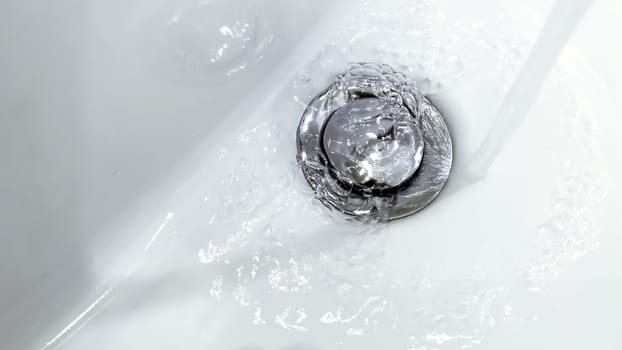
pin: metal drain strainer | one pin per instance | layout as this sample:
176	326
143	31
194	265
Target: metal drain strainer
372	146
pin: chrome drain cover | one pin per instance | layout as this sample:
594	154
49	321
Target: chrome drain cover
372	146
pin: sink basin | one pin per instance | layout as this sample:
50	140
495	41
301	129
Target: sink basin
151	198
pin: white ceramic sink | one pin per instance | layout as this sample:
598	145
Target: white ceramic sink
150	199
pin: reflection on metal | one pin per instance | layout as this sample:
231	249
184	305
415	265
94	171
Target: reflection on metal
372	146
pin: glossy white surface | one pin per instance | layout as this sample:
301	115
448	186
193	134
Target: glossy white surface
112	165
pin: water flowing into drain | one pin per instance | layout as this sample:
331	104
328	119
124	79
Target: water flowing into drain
372	146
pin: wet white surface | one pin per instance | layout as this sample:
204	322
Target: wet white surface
170	213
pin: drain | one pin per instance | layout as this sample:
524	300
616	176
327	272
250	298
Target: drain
372	146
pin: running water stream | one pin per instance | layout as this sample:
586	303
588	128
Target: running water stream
563	20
